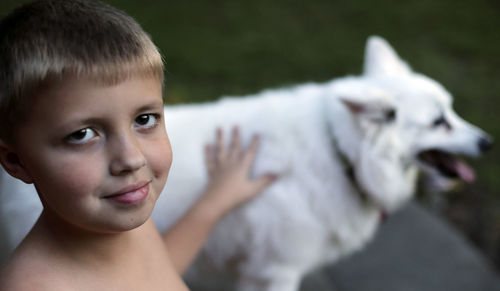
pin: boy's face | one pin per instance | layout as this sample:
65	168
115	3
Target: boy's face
98	155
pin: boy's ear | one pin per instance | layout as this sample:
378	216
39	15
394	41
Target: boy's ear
12	164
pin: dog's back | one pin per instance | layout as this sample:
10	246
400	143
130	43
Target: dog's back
290	225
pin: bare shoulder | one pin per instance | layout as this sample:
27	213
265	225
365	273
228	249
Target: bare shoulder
29	268
20	274
16	281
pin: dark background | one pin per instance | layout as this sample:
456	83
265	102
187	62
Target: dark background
227	47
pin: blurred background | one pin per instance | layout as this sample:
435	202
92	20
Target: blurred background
227	47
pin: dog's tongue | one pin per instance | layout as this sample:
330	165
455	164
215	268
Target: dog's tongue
448	165
464	171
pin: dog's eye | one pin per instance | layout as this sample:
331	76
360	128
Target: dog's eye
390	115
440	122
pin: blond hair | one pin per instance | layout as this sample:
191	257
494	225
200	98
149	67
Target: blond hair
49	40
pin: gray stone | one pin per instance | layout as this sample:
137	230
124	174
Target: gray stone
413	251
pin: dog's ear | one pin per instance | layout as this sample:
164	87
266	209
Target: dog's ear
382	60
374	110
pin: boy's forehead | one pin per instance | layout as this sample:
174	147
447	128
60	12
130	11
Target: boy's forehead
89	93
72	81
70	88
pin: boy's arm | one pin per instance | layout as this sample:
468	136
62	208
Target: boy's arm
229	186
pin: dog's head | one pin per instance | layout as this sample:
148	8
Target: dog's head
402	121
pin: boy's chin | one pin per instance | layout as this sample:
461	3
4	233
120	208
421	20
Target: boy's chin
117	227
120	221
133	221
123	219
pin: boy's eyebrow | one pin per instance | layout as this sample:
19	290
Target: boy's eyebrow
151	106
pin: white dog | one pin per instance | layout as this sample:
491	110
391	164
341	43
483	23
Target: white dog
347	152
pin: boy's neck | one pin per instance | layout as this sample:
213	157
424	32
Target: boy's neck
88	247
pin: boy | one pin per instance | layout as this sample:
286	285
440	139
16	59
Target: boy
82	119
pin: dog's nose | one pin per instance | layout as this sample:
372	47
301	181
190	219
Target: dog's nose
485	144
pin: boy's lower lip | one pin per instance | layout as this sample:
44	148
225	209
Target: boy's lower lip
131	197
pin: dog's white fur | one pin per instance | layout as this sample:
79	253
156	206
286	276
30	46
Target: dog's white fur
314	213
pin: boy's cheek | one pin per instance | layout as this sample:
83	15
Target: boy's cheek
83	178
160	159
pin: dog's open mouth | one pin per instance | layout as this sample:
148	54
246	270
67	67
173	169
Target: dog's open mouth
448	165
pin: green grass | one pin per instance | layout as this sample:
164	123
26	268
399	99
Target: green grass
215	48
227	47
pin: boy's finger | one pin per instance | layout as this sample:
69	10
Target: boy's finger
251	151
209	158
264	181
235	149
219	144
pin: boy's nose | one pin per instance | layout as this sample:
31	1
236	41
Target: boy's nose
126	156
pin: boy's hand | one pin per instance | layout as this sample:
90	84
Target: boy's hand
229	168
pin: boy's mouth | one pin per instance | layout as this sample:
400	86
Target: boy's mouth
448	165
130	195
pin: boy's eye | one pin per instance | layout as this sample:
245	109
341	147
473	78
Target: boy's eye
146	120
81	136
